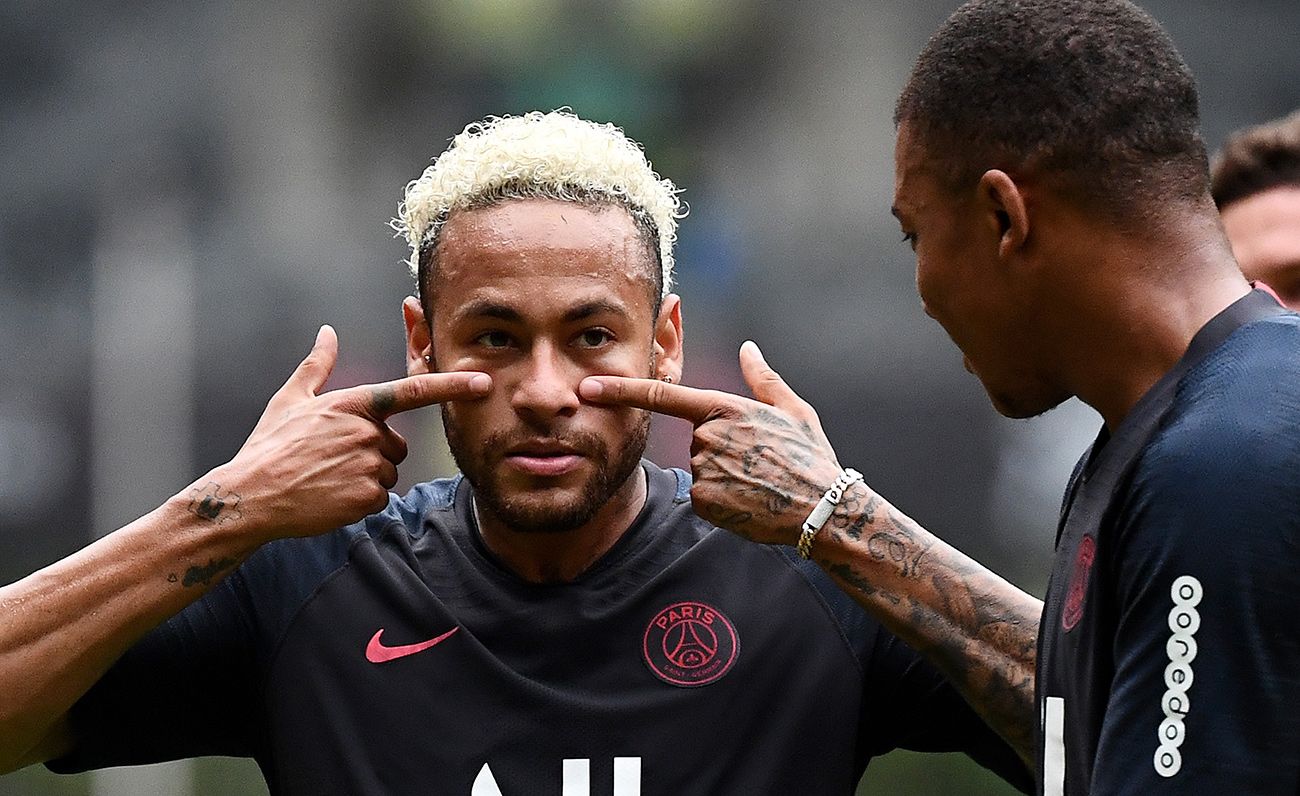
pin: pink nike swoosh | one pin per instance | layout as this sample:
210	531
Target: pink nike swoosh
378	653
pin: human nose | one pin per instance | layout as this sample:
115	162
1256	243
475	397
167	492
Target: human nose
547	388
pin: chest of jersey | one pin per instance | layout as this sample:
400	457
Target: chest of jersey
1075	667
421	676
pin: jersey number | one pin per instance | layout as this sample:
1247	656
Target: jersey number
576	778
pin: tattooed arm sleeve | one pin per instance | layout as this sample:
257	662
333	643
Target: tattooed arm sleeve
975	627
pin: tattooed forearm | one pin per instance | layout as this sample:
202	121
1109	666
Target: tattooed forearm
855	516
851	507
869	511
898	545
859	582
213	503
845	573
979	630
987	648
854	530
203	575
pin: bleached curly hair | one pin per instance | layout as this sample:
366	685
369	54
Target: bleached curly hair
554	155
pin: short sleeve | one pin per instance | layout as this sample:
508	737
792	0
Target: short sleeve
909	705
1206	691
186	689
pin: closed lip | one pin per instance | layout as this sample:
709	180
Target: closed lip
543	448
544	459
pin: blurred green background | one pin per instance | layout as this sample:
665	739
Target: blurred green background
192	188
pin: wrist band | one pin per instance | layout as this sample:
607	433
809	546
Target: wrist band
822	511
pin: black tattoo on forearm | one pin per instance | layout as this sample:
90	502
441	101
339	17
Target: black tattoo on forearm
212	504
979	630
847	574
869	510
855	529
846	512
203	575
858	581
897	545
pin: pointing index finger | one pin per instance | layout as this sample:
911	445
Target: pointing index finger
381	401
688	403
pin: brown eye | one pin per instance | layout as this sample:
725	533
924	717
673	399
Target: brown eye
594	338
493	339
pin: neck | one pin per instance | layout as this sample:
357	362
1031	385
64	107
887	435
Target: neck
1139	310
560	557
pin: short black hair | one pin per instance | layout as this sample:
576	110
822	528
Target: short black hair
1257	159
1089	93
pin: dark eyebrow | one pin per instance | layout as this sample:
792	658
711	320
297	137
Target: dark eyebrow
590	308
483	308
486	308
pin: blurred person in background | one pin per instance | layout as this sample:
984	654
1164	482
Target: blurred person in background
1256	184
1051	179
558	615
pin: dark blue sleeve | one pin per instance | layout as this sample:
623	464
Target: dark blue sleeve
910	705
907	703
1206	691
188	688
193	686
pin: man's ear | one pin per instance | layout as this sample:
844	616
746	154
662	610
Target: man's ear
1005	203
668	352
418	343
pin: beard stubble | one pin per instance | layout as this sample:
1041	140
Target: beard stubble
526	513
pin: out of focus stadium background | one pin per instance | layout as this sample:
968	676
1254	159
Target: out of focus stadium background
190	189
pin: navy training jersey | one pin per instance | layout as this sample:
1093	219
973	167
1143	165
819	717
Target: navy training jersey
1169	650
398	656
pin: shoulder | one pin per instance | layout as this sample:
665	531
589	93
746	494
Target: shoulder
317	556
1220	471
1235	417
281	576
431	500
670	515
857	629
1248	385
774	570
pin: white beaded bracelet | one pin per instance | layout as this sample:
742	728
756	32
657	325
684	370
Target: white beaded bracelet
822	511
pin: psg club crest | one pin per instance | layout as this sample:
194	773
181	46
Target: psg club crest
690	644
1073	611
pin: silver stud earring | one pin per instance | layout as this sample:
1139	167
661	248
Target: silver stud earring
666	378
428	360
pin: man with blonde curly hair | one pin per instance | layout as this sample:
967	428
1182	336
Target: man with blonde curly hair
557	620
